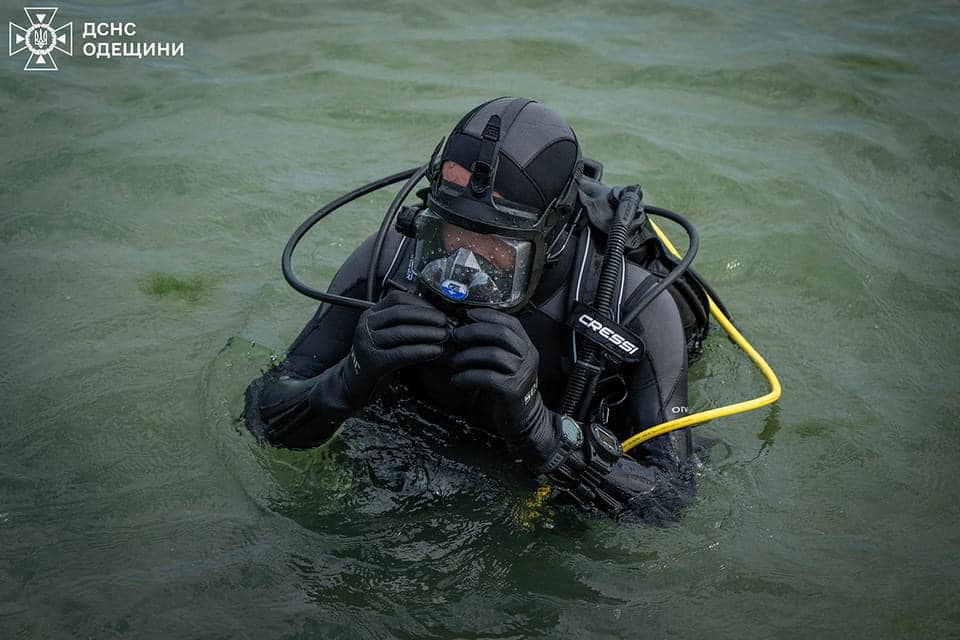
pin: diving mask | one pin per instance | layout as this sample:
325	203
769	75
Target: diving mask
468	267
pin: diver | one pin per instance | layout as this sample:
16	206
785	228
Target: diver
499	301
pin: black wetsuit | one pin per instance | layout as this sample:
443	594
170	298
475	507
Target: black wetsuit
655	476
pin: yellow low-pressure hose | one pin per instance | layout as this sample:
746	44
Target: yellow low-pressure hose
729	410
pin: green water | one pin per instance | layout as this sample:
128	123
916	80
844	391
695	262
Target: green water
143	208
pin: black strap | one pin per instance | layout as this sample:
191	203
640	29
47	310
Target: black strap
510	114
485	167
645	285
484	170
568	196
433	167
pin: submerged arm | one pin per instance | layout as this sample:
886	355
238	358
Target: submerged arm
302	401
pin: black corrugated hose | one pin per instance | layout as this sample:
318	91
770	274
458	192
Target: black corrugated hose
589	365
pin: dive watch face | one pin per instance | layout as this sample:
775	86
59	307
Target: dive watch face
570	430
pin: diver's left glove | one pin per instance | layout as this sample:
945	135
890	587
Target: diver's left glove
499	360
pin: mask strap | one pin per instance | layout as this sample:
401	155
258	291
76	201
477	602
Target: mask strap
484	170
433	167
569	193
552	256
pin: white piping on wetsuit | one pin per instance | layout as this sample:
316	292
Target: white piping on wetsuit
576	294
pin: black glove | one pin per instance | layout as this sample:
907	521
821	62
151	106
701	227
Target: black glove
399	331
278	408
498	359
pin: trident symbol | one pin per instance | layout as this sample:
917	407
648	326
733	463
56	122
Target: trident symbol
41	40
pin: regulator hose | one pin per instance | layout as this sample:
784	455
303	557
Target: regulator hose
372	291
586	371
676	272
316	217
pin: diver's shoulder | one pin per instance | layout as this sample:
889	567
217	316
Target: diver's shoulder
637	281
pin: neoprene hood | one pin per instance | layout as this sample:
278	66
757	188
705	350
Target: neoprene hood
482	240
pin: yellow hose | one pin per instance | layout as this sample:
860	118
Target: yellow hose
729	410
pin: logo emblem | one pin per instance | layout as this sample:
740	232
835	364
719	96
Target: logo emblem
40	39
454	290
622	344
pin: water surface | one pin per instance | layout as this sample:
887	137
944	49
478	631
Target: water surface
143	208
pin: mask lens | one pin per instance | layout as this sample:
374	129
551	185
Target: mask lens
494	249
463	275
470	267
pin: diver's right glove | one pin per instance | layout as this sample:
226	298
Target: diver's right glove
399	331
